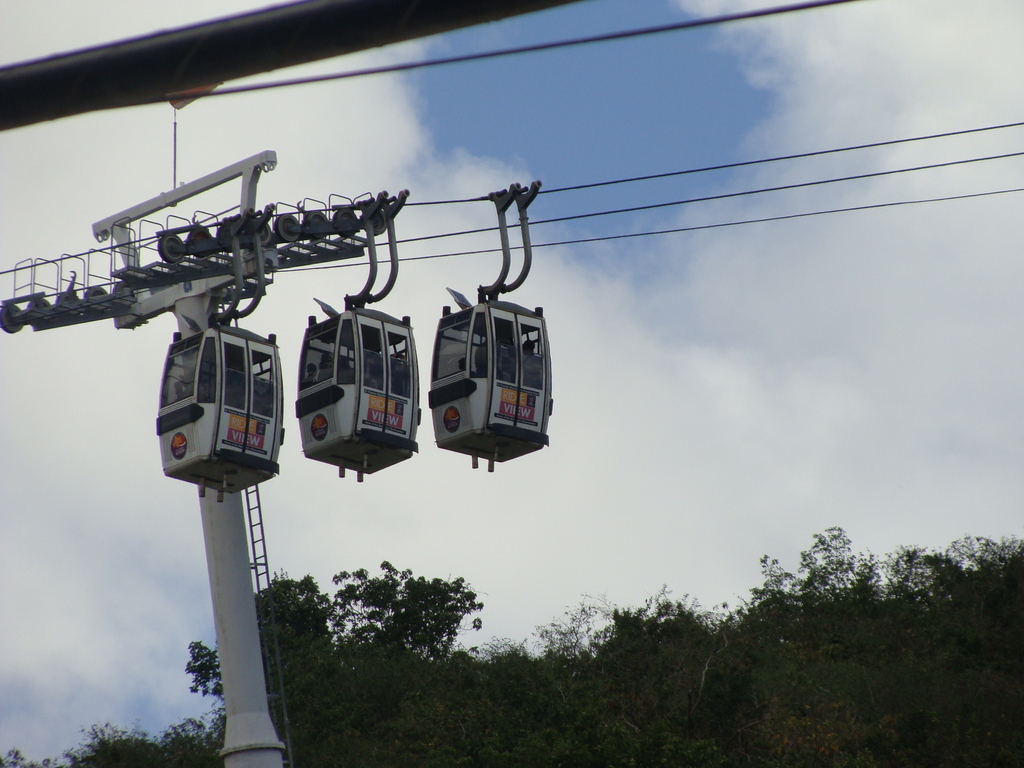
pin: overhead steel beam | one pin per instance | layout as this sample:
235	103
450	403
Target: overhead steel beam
147	69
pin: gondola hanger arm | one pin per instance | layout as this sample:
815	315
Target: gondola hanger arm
502	200
369	210
397	203
523	200
378	216
389	212
250	223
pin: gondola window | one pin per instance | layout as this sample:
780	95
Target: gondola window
373	358
234	376
505	344
206	389
398	350
533	357
450	352
263	383
318	357
346	354
479	347
180	373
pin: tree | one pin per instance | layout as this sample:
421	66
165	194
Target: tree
204	666
396	611
300	608
192	743
851	662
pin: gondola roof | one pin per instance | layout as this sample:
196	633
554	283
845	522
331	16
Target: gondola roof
513	307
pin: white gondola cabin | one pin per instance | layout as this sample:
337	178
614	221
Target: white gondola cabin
358	404
490	382
490	391
220	422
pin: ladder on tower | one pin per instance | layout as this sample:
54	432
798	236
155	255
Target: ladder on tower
272	666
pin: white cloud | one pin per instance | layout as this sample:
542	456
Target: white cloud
915	305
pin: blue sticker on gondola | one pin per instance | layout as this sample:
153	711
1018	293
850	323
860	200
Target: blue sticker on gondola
452	418
318	427
179	445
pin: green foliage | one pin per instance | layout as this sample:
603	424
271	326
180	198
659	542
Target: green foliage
905	661
15	759
396	611
852	661
190	744
204	666
300	608
391	613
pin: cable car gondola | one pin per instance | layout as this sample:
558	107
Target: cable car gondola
490	392
358	403
220	421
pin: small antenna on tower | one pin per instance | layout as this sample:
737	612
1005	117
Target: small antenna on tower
174	150
178	101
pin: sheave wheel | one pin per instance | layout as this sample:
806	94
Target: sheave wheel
172	249
8	319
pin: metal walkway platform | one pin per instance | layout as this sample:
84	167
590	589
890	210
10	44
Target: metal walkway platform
44	298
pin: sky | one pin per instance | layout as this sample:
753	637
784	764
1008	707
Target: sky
720	394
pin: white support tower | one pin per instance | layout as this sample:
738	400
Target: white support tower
250	740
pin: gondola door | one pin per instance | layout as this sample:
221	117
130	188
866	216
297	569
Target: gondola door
520	390
250	420
388	400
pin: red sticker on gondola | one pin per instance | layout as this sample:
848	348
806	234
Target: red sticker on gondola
318	427
179	445
452	418
517	405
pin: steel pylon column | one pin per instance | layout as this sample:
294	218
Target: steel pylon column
250	740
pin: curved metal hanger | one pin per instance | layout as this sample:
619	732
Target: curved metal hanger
376	217
502	200
255	225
